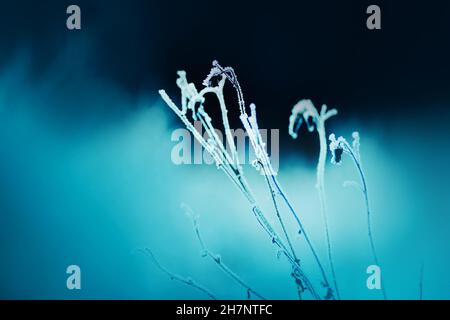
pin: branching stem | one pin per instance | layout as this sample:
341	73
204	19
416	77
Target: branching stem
173	276
219	261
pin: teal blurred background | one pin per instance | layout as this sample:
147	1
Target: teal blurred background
91	193
86	176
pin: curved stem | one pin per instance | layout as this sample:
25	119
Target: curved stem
321	189
369	222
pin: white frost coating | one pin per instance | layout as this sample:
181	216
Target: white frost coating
337	147
356	144
304	111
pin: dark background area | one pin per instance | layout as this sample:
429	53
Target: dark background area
282	50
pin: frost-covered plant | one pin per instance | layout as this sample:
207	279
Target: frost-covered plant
305	111
227	160
338	147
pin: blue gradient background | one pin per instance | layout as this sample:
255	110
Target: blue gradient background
86	178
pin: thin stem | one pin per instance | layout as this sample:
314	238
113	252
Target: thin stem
321	189
369	222
283	227
241	183
302	230
231	76
251	126
280	219
173	276
267	227
220	263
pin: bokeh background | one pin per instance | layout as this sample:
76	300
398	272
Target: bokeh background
85	171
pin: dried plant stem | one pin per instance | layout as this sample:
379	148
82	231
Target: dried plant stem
357	162
321	189
236	176
239	180
305	111
220	263
172	276
299	285
303	232
251	126
295	264
267	227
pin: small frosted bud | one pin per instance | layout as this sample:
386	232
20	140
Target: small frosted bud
252	109
336	148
